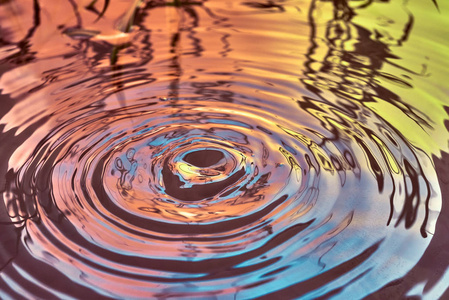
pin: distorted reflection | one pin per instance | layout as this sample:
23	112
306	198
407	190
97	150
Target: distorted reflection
223	149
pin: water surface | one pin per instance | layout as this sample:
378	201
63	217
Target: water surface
224	149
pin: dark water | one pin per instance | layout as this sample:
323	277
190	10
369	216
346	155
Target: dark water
224	149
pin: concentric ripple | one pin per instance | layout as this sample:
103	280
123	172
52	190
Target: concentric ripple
158	195
248	179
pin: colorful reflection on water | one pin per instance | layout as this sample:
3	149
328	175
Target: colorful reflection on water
224	149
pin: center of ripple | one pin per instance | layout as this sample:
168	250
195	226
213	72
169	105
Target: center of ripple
203	158
200	174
